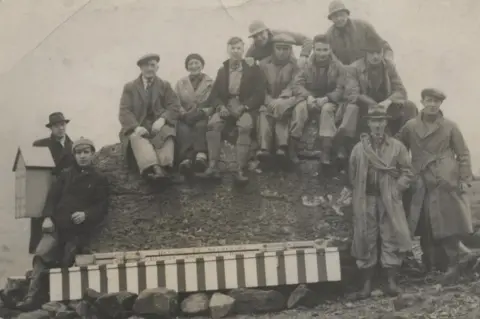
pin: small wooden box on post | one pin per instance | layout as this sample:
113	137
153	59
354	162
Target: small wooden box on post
33	177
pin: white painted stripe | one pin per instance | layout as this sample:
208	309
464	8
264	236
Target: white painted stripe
231	280
291	267
251	278
171	275
152	275
94	277
311	265
132	277
75	283
211	281
191	275
332	259
55	286
112	278
271	268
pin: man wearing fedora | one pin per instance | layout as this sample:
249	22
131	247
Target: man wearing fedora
262	46
60	146
149	109
76	205
380	171
439	211
378	81
348	36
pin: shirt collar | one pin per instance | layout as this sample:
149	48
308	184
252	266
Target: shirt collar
146	81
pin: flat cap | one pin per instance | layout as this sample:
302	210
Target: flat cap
433	92
283	38
83	141
148	57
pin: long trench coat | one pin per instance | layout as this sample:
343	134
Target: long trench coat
391	164
190	99
133	111
441	159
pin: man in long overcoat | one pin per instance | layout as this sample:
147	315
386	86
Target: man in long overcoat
279	70
440	211
380	170
348	36
378	81
236	96
324	87
149	109
76	205
60	146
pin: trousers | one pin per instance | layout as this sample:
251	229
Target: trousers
191	140
380	237
218	126
146	155
271	130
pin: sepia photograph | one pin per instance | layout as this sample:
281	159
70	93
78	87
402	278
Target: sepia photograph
239	159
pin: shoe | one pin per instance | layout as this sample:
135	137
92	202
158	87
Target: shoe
366	291
185	167
263	155
240	177
200	164
392	288
211	172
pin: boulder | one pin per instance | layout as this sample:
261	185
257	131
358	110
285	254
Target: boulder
157	301
116	304
249	301
220	305
15	290
54	307
67	315
37	314
91	295
6	313
303	297
195	304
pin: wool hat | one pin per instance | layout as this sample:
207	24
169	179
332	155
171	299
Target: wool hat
83	141
194	56
377	112
336	6
434	93
147	57
55	118
256	27
283	39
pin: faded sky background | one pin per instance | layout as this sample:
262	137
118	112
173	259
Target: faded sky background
81	67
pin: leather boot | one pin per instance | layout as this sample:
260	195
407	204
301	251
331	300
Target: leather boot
392	287
33	300
366	291
326	150
212	171
243	154
292	150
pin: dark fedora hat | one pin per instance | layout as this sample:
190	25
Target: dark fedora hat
55	118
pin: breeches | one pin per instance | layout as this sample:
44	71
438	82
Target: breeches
146	155
380	237
270	129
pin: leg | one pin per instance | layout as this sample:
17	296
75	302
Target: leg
35	233
200	145
184	151
143	152
166	152
214	143
245	127
451	246
297	125
327	130
265	134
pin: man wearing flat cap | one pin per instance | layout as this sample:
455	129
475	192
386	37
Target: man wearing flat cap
76	205
262	46
348	36
439	210
378	81
380	171
323	85
279	69
149	109
60	146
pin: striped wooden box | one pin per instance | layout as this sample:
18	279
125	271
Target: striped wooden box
200	273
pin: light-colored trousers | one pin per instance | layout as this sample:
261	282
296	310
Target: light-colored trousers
380	226
146	155
269	129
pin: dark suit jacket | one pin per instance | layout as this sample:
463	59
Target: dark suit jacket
62	156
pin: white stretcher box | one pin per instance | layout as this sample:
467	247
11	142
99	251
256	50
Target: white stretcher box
206	269
33	177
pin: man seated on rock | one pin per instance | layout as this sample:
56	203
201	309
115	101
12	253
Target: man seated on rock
279	69
149	109
60	146
323	84
379	82
237	94
75	207
262	46
380	171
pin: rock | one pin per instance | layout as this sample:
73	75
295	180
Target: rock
9	313
302	297
394	315
116	304
67	315
54	307
220	305
157	301
85	310
404	301
37	314
91	295
249	301
15	290
195	304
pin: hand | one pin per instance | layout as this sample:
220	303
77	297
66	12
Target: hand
224	112
386	103
302	61
157	125
47	225
250	61
464	187
78	217
310	100
140	131
402	184
321	101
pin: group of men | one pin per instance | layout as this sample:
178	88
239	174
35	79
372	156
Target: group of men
349	85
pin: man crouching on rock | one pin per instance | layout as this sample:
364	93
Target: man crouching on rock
380	170
149	109
76	205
